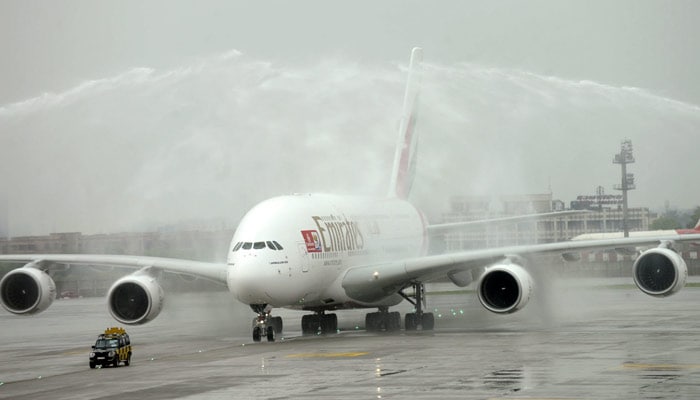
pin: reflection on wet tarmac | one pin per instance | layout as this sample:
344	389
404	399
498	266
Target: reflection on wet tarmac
505	379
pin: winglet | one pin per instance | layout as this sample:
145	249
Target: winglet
403	172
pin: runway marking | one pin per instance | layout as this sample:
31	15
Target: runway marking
534	398
659	367
328	355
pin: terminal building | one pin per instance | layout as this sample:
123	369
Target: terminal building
600	214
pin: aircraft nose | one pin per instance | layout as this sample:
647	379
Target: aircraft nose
249	281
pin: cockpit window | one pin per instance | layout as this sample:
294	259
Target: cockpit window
270	244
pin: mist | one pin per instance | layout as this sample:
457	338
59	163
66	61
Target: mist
209	139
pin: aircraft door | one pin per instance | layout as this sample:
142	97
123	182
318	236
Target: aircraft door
303	257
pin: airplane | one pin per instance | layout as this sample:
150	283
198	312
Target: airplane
326	252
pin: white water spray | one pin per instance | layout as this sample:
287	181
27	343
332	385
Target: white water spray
208	140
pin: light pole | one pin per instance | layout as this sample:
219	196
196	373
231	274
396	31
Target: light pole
627	180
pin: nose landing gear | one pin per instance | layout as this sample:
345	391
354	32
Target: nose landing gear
265	325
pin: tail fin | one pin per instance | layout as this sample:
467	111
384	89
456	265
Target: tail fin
697	226
405	157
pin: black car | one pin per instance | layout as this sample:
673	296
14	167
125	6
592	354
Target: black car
111	348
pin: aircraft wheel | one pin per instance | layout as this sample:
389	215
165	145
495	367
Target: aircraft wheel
393	322
305	330
278	324
329	323
376	321
310	324
371	322
411	323
428	321
270	334
256	334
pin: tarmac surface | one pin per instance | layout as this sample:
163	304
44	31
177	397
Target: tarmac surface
572	342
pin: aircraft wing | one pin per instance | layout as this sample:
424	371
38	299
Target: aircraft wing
457	226
212	271
373	282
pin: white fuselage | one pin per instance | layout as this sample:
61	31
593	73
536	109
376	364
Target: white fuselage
321	237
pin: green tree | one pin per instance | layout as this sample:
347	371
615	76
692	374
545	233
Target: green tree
665	222
694	218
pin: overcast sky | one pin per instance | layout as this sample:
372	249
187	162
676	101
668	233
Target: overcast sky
124	115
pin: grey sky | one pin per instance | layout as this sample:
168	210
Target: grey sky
121	114
651	44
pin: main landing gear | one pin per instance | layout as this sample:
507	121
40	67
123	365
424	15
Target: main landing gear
265	325
383	320
319	322
419	320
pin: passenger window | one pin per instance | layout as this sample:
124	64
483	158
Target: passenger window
247	246
259	245
238	246
278	245
272	246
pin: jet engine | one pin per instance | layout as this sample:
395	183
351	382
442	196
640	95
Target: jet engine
504	288
135	299
660	272
27	290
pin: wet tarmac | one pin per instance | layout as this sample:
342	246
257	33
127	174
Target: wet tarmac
579	342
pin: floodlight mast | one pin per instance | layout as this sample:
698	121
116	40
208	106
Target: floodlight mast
626	180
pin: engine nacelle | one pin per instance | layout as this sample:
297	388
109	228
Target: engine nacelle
504	288
135	299
27	290
660	272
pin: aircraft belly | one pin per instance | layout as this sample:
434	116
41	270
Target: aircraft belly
346	304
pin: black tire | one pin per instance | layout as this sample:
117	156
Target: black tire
329	323
305	325
127	362
256	334
92	365
393	321
411	322
428	321
334	323
270	334
278	324
310	324
371	323
115	364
